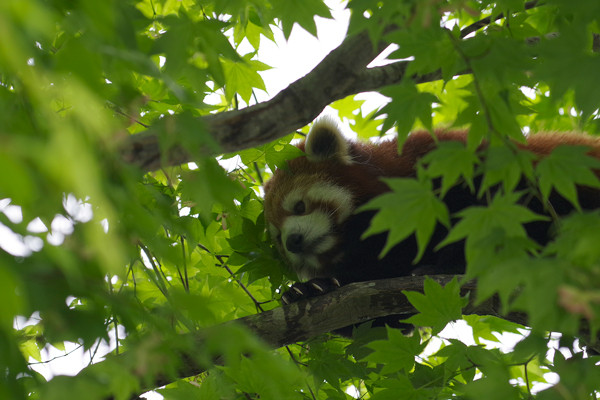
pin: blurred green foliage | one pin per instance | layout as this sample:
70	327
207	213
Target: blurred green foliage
106	253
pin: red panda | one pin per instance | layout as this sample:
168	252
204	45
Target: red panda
310	207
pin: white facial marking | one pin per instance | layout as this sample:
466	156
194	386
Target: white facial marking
322	192
325	205
313	227
326	244
325	192
291	199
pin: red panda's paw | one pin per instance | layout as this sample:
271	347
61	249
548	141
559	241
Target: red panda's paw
311	288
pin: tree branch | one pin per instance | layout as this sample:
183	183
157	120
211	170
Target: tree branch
352	304
261	123
349	305
341	73
486	21
334	78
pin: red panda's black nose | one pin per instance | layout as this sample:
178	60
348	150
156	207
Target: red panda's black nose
294	243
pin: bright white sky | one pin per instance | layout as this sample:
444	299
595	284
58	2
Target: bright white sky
293	59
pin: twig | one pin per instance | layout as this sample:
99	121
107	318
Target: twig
184	280
117	110
475	26
244	288
68	353
160	278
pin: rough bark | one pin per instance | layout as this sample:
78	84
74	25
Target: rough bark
294	107
306	319
342	73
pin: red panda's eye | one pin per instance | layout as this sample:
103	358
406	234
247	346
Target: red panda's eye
299	208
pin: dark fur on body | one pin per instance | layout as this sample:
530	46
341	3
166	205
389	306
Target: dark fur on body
358	167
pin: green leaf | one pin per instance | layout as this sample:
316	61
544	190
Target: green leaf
409	208
302	12
564	168
208	186
495	381
430	48
30	349
263	266
366	127
329	363
568	61
450	161
183	390
205	36
18	185
396	353
495	388
485	325
579	377
506	166
14	303
195	305
408	104
503	213
393	386
268	376
278	152
242	77
457	360
88	388
437	305
533	343
348	107
214	386
577	239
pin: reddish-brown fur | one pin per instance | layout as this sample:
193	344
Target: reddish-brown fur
372	161
361	176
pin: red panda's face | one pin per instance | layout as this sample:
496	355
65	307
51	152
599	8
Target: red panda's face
305	205
304	218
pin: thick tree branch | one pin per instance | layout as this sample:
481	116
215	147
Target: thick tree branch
342	73
334	78
289	110
331	80
352	304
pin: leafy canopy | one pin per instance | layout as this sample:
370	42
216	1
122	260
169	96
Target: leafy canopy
105	254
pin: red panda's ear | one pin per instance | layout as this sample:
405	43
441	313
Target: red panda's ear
326	142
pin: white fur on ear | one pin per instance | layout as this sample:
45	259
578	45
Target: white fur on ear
326	142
